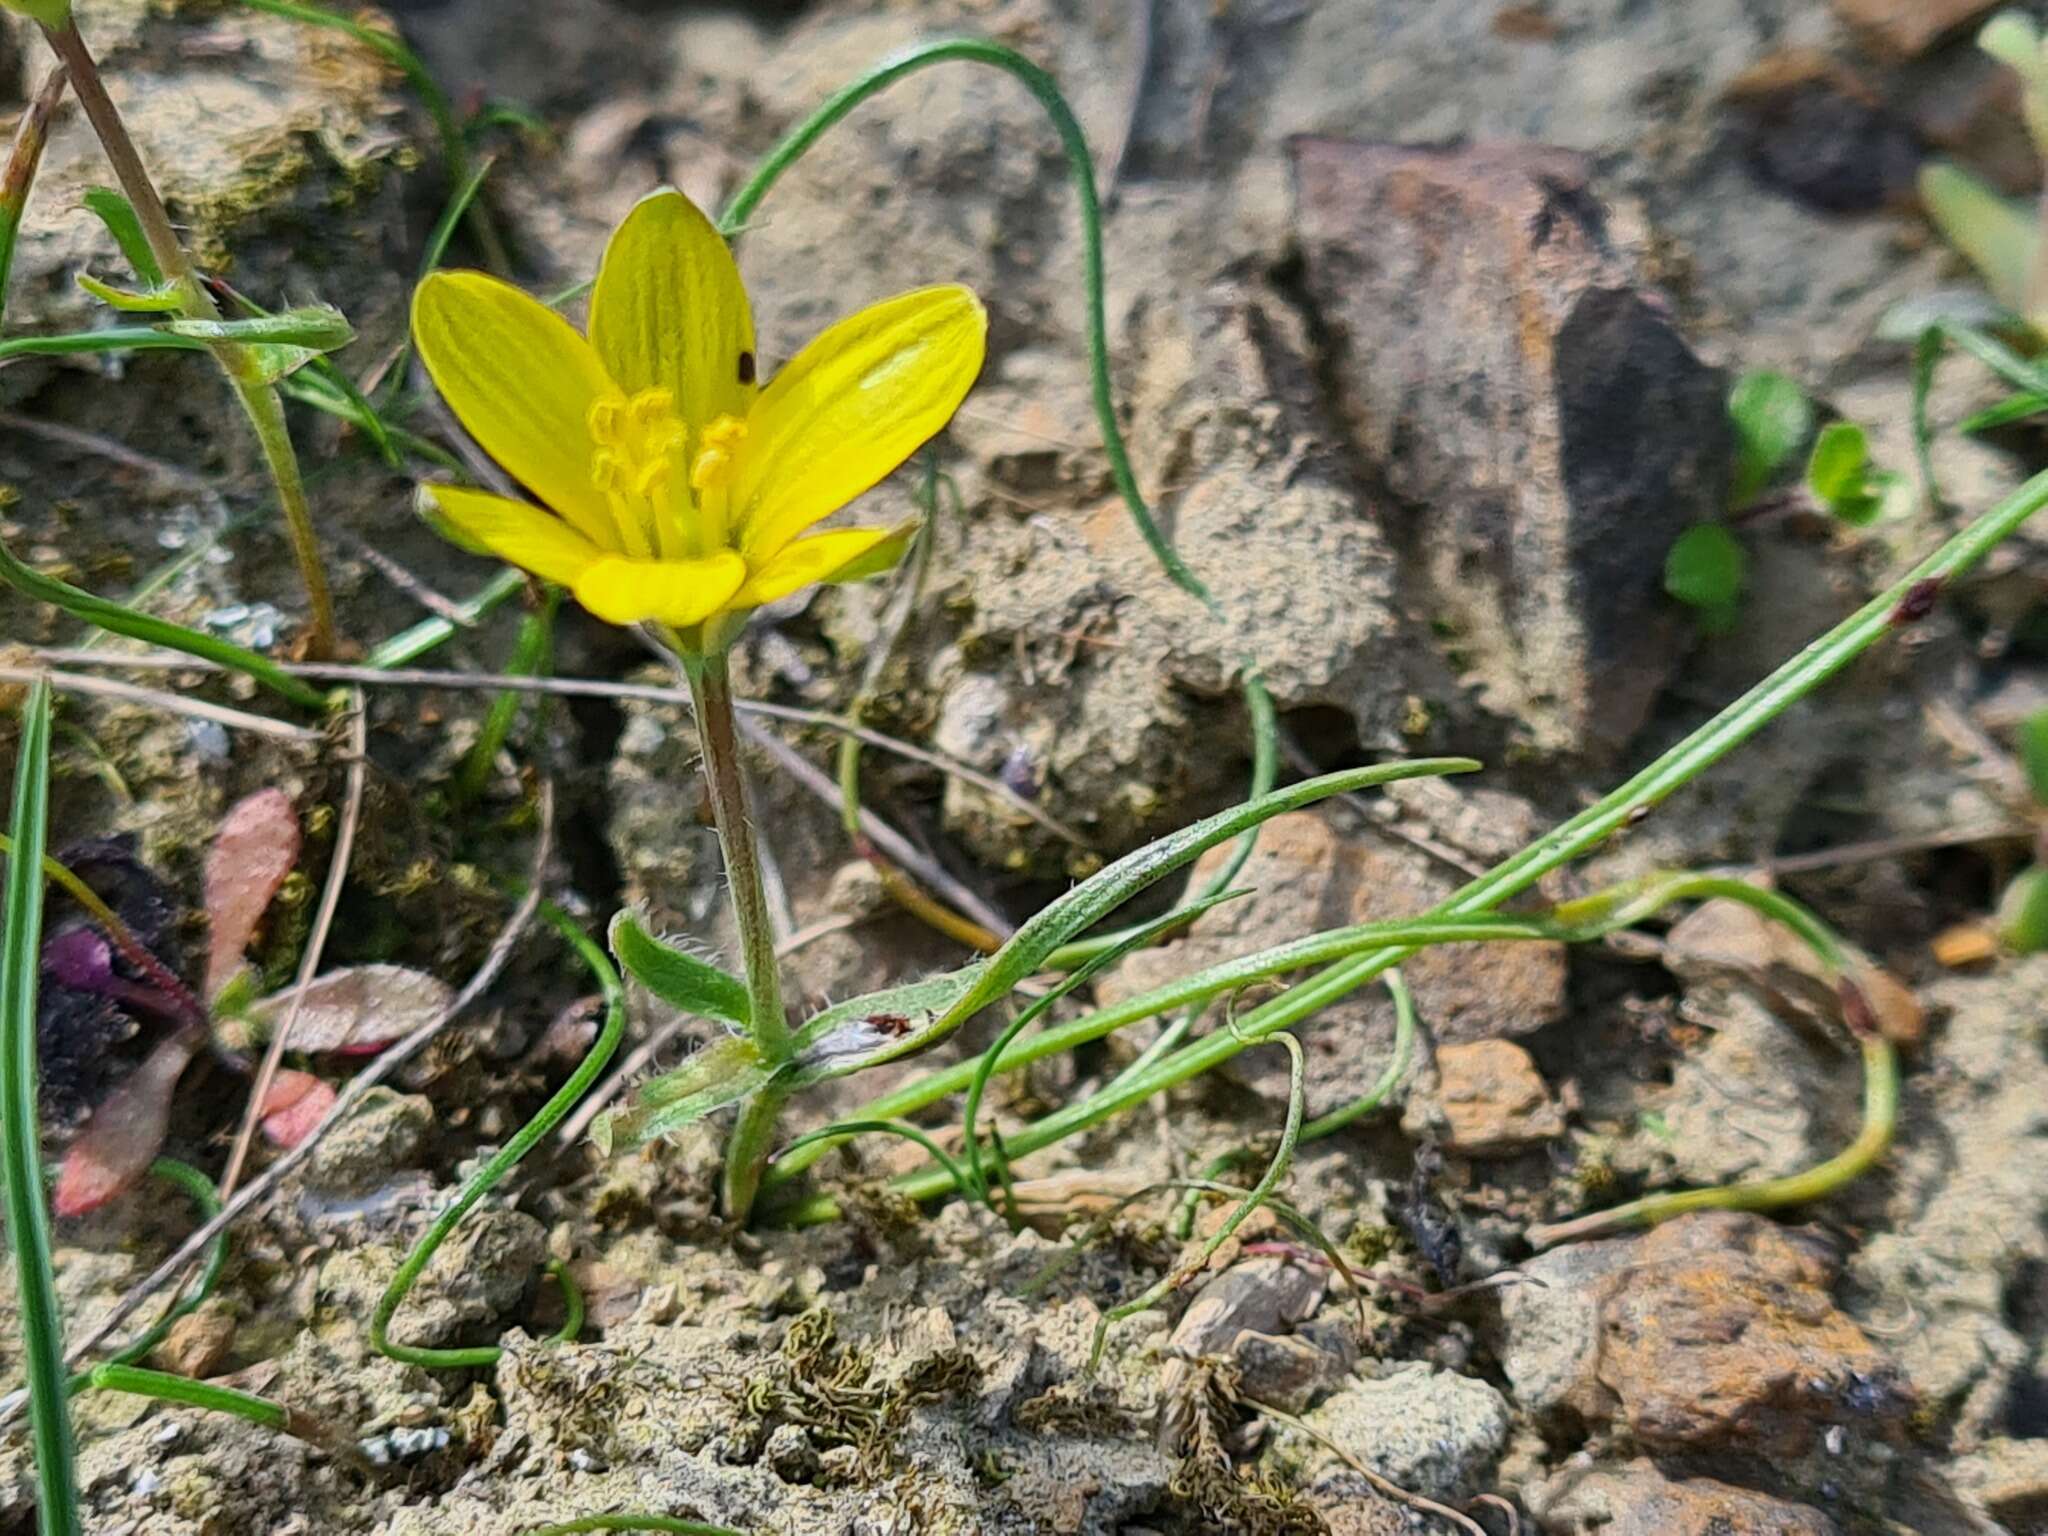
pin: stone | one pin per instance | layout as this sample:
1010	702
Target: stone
198	1343
1306	876
1961	1218
384	1136
1430	1431
1501	362
1812	128
1903	29
1488	1100
2007	1479
1714	1331
1079	668
1637	1499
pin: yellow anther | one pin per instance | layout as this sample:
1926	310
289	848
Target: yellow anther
603	419
714	463
650	405
607	470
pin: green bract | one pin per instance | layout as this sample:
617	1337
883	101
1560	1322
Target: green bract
51	13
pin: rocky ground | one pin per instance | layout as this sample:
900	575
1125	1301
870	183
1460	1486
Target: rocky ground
1424	316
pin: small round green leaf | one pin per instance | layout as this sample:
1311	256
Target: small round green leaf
1840	464
1772	417
2023	912
1704	568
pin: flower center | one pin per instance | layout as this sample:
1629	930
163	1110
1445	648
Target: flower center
711	475
636	442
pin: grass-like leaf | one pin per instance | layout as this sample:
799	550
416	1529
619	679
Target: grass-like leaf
118	214
125	621
21	1162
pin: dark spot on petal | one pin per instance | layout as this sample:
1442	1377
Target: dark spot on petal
746	367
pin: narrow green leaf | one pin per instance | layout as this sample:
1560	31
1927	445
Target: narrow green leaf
1772	417
2033	743
2007	411
120	620
1996	234
901	1021
675	976
21	1162
1704	568
321	327
125	338
1840	464
118	214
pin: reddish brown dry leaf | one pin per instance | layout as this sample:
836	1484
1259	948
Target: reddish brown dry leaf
123	1136
256	848
360	1008
296	1103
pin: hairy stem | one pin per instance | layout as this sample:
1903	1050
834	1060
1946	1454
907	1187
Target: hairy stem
259	401
753	1135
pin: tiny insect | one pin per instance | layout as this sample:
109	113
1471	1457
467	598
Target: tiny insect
1918	601
746	367
894	1025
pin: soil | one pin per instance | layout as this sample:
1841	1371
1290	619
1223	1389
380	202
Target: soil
1422	317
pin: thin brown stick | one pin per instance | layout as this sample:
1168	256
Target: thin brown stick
266	1183
171	703
410	584
173	476
885	837
316	940
1887	848
582	687
1380	1484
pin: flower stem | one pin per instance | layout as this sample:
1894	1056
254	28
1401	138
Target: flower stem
259	401
752	1136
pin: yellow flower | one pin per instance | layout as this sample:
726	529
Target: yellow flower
677	490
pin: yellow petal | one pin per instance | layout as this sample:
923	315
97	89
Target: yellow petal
669	312
852	406
673	592
521	380
842	554
521	535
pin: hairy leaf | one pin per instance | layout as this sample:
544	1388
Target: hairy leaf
675	976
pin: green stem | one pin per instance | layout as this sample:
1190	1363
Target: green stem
711	695
532	653
748	1146
21	1160
1261	1192
487	1177
408	645
201	1190
1880	1118
259	401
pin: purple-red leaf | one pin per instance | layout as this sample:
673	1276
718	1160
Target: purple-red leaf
126	1131
256	848
359	1008
296	1103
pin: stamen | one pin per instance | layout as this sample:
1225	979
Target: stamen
714	464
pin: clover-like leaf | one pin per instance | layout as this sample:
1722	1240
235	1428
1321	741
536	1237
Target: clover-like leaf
675	976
